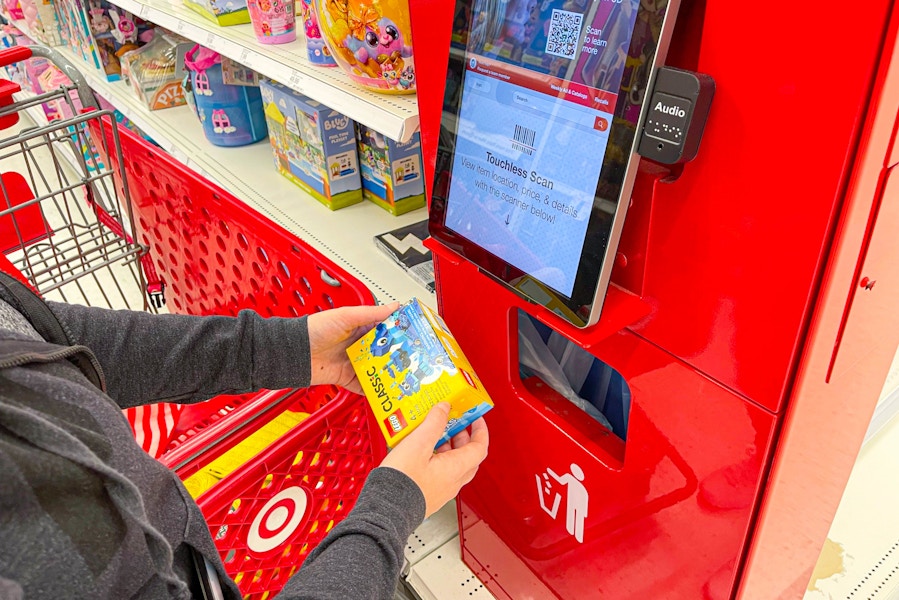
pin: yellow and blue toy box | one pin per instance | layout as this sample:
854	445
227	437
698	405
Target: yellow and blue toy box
410	362
314	146
391	170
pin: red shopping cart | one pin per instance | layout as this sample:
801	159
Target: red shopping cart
62	223
249	460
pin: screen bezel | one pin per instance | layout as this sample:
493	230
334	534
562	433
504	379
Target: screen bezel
583	307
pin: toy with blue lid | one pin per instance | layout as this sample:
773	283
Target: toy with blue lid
232	115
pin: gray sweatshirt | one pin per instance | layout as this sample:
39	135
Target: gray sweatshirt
85	513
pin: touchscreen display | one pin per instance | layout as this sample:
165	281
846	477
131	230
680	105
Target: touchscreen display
541	107
516	162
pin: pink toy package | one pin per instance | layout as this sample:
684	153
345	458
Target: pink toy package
14	9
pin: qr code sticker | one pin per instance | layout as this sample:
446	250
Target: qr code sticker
564	31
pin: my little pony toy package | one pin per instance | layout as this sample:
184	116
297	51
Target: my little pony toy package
410	362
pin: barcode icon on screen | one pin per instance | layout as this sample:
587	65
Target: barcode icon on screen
523	139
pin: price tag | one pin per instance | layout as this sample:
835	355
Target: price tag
295	81
210	39
244	54
143	11
181	27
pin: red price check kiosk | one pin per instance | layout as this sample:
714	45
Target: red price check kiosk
699	195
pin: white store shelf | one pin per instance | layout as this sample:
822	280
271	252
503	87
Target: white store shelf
442	575
434	532
248	172
396	116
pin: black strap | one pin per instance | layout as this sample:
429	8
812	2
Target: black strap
33	308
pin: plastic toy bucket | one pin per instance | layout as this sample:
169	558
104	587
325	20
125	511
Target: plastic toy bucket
232	115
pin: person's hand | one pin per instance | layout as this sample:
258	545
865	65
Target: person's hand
441	474
331	332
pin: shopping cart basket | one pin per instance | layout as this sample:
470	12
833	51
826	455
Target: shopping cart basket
267	508
272	474
62	224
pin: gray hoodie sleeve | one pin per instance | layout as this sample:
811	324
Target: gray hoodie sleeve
149	358
361	557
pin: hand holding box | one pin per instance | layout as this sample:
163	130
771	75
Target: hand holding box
410	362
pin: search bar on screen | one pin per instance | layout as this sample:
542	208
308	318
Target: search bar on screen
560	109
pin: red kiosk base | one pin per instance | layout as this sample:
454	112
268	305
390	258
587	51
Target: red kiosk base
641	499
735	307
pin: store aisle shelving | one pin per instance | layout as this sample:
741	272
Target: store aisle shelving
248	172
396	116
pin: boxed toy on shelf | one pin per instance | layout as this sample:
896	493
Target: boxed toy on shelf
38	73
115	32
48	77
101	33
76	32
12	36
314	146
13	9
40	17
154	73
409	363
222	12
391	170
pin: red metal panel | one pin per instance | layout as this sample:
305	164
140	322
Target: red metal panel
735	243
852	341
726	257
827	419
431	28
667	511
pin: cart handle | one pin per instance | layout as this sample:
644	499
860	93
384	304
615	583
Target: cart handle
19	53
14	54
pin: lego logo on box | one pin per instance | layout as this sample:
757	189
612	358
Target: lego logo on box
410	362
395	423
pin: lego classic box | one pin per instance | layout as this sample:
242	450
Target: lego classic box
410	362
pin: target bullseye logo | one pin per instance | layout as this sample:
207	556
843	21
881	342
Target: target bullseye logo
278	519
